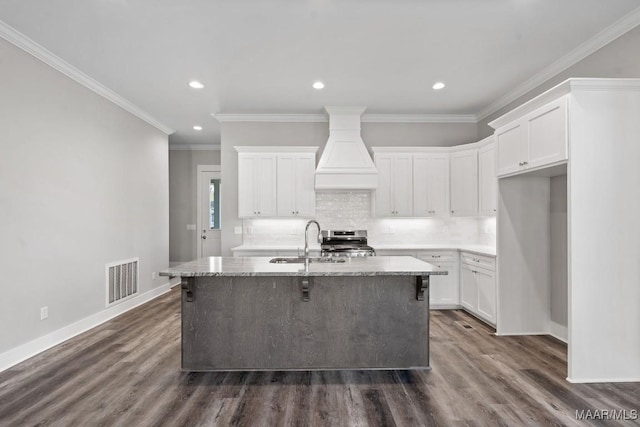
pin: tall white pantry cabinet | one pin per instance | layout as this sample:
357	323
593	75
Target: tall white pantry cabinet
588	129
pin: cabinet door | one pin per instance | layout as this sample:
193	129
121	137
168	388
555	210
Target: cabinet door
464	183
548	134
486	283
488	187
247	169
468	289
286	185
510	143
421	168
444	289
403	185
384	201
438	184
265	185
305	186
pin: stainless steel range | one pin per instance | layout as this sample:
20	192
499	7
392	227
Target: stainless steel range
349	243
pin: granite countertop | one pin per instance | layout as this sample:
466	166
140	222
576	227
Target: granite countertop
260	266
478	249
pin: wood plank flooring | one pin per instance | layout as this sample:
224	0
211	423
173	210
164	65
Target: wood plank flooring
127	373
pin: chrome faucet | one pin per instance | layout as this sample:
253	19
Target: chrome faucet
306	238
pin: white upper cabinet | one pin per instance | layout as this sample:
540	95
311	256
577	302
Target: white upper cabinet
256	185
276	181
395	182
534	140
464	183
431	184
548	134
295	184
488	181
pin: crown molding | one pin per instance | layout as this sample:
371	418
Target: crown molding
275	118
21	41
275	149
194	147
366	118
604	37
419	118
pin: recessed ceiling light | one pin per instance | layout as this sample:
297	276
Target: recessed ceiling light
318	85
196	84
438	86
197	127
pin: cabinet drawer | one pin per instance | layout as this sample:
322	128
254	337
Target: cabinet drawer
475	260
437	256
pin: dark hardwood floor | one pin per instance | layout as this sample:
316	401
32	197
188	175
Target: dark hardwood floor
127	373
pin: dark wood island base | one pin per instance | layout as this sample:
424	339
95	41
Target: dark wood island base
314	320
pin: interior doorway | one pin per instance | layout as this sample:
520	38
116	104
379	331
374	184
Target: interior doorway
209	188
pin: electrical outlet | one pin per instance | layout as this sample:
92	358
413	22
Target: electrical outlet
44	312
153	275
237	230
191	227
391	230
249	230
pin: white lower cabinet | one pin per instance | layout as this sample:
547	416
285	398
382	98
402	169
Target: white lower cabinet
468	289
478	286
443	289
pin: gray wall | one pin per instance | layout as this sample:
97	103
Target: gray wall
82	183
316	134
618	59
559	256
183	166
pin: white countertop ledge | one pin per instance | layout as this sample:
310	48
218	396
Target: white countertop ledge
260	266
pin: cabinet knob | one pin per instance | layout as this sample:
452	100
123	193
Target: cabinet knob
297	212
451	211
293	212
258	212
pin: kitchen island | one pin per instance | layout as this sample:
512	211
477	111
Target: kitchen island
253	314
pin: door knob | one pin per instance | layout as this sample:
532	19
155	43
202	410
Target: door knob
204	237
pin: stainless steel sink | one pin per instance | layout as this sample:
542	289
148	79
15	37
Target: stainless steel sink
300	260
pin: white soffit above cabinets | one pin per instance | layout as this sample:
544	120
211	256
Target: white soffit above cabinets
263	56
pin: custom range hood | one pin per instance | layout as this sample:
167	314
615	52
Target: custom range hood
345	163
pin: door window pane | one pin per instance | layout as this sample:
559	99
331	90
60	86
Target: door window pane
214	204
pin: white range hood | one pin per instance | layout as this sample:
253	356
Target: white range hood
345	163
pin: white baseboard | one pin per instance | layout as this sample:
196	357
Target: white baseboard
603	380
30	349
444	307
517	334
559	332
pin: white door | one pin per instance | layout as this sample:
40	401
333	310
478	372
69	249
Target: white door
208	201
402	185
510	143
247	191
548	134
421	200
265	186
488	186
486	282
286	185
438	184
305	185
468	289
384	201
464	183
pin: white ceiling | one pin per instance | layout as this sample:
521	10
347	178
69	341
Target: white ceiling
261	56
